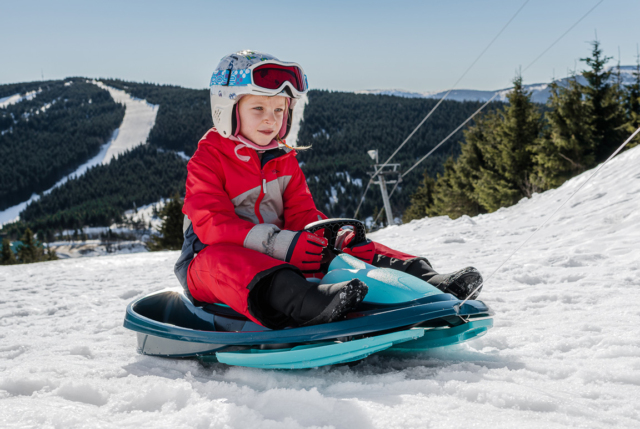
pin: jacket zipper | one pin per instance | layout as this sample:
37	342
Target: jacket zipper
263	190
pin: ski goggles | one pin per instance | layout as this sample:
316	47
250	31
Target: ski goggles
270	77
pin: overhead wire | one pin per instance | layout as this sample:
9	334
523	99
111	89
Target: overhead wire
437	105
487	103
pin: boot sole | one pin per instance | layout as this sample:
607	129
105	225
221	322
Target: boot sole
463	283
348	298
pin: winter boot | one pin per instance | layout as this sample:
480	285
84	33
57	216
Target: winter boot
459	284
291	299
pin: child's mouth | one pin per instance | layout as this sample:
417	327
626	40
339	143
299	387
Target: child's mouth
266	132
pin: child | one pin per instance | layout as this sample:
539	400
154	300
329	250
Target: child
247	203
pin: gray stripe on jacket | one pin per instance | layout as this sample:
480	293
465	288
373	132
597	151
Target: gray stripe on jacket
270	240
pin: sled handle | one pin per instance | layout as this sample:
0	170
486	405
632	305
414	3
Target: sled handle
332	226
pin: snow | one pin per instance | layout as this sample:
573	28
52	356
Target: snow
134	241
16	98
564	352
183	155
139	119
12	214
298	113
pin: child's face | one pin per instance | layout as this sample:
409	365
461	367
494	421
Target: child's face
261	117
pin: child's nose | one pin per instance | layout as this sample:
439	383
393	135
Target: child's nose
270	117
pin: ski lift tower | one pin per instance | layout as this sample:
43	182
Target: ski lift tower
388	170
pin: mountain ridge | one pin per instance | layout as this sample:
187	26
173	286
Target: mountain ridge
540	91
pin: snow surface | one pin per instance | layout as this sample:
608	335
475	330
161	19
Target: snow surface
16	98
139	119
564	352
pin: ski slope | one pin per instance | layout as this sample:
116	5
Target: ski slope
16	98
139	119
564	352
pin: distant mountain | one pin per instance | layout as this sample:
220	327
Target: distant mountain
540	91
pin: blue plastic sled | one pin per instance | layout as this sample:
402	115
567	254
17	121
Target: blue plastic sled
400	313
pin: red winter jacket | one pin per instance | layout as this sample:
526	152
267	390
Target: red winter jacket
234	197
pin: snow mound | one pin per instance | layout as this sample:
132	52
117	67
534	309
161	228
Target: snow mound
564	352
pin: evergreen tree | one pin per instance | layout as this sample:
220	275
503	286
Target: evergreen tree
421	200
50	254
31	250
602	96
511	135
454	191
495	166
171	235
632	102
8	257
567	146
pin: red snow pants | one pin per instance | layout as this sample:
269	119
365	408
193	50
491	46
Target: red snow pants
226	273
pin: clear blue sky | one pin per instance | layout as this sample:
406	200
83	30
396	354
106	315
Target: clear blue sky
343	45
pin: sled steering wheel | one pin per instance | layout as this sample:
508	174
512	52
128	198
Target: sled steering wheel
332	226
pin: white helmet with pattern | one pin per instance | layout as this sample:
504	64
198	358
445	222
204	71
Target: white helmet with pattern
256	73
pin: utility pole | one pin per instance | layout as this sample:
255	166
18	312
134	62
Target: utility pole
387	170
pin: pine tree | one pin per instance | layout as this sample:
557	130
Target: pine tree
421	200
31	250
50	254
511	135
567	146
8	257
454	191
171	234
603	98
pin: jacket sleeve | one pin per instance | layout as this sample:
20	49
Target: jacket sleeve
213	215
207	204
299	207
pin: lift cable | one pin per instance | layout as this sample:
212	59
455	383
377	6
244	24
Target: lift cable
437	105
483	106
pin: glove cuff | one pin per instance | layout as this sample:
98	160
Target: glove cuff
343	238
270	240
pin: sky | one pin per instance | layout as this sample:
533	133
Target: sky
342	45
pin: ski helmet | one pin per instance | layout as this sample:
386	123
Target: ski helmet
256	73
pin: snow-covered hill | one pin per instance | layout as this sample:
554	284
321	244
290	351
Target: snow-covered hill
540	92
139	119
565	350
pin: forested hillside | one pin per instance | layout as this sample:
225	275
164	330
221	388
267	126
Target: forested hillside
183	117
141	176
515	152
341	127
48	134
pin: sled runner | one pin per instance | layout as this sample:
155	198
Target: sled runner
400	313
